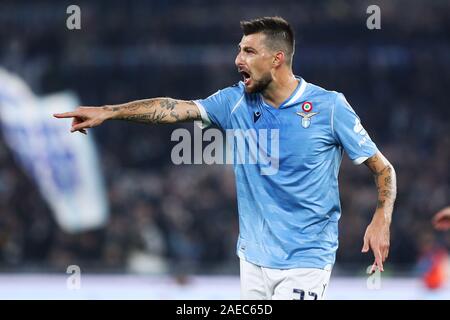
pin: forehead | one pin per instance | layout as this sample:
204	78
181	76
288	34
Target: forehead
255	40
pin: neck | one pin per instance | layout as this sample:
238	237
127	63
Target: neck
281	88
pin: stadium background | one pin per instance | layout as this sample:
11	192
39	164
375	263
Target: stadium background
171	223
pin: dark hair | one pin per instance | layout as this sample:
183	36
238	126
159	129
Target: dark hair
279	34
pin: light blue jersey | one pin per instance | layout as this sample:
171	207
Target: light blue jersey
290	219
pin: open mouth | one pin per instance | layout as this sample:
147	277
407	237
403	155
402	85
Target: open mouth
246	77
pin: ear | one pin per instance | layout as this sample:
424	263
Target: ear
278	59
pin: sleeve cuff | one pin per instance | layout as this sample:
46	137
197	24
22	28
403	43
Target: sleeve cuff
360	160
206	122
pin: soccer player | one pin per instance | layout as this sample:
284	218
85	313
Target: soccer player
288	220
441	219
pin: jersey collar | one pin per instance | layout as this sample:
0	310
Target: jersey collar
296	95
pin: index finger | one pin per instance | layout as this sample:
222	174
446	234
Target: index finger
65	114
378	258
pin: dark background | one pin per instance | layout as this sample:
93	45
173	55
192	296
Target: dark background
185	217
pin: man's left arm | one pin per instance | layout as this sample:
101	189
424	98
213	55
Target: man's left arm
377	236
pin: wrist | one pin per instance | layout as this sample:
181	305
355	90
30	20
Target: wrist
111	112
382	216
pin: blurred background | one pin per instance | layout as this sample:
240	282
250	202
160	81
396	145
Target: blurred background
177	225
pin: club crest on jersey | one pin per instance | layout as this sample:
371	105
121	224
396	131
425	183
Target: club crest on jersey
307	114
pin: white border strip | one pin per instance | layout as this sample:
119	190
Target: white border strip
206	122
360	160
298	93
237	104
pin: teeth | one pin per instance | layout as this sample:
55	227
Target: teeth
246	76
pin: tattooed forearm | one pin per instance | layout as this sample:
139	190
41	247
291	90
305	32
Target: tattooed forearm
175	115
158	110
386	190
385	180
169	104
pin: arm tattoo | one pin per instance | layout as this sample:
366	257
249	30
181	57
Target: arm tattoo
158	110
385	180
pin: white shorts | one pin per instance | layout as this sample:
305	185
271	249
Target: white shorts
259	283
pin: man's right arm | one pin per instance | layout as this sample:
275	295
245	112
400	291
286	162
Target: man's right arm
156	110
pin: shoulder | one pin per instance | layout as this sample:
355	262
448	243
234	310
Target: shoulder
334	99
223	101
316	92
236	94
327	99
235	90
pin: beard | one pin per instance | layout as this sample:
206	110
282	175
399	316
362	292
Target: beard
260	85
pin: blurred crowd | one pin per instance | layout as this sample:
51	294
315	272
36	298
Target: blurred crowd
167	218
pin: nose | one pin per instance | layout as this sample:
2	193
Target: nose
238	60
